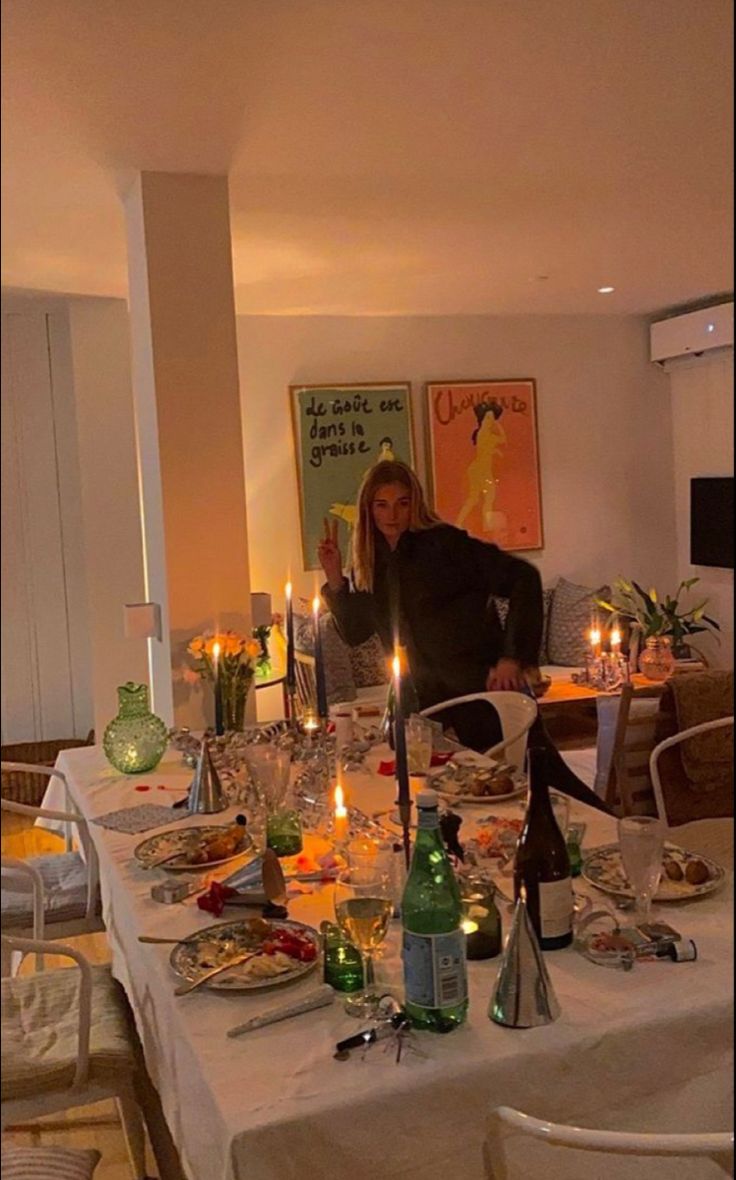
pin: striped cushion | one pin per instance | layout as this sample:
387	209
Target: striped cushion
39	1021
48	1163
65	891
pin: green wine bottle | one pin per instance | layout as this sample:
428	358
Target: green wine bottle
435	973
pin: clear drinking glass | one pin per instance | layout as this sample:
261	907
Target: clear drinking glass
363	907
269	768
561	808
419	744
641	840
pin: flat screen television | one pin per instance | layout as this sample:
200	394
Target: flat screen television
711	522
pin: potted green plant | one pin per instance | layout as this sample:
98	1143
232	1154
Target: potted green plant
657	618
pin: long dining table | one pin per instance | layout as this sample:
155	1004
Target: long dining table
647	1049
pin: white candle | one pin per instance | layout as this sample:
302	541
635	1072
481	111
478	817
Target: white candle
341	823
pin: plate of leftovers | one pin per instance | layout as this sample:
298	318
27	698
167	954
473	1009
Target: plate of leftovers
478	780
264	954
684	874
188	849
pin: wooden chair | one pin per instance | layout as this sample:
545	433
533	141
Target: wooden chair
67	882
27	786
67	1042
629	787
306	682
504	1121
517	712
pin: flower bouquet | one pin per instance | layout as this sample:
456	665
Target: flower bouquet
657	617
228	660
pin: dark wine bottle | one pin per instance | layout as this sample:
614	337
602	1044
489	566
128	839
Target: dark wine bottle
542	864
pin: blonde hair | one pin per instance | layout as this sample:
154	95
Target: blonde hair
364	536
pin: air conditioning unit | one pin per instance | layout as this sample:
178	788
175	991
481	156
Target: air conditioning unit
693	333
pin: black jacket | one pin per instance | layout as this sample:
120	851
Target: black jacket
437	584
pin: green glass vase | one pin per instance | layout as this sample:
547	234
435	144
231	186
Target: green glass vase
135	740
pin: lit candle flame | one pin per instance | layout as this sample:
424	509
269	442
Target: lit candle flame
340	808
615	639
215	652
396	666
595	637
315	604
288	591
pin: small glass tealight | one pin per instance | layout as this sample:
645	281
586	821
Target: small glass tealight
481	918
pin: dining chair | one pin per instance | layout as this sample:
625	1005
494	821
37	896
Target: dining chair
667	744
505	1121
306	681
69	880
67	1041
628	785
516	711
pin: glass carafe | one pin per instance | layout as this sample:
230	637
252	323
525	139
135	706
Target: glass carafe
135	740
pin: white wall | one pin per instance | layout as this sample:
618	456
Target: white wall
702	415
603	412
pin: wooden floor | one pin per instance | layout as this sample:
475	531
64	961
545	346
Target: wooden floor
95	1126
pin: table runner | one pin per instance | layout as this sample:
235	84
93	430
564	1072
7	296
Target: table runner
648	1049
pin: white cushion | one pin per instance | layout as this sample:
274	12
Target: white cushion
39	1017
48	1163
65	891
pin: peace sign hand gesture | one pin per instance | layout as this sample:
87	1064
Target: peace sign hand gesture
330	557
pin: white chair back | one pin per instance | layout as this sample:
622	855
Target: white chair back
504	1122
517	713
683	735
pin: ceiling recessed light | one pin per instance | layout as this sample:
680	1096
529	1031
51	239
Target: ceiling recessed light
606	290
710	328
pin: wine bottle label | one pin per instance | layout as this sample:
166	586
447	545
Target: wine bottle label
555	907
435	974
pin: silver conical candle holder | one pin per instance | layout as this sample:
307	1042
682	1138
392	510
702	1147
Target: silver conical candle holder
206	795
523	996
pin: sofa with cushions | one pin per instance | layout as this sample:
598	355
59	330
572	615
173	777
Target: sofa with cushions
361	673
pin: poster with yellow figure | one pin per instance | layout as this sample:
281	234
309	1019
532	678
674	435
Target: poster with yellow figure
484	459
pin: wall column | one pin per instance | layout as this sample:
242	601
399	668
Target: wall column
188	424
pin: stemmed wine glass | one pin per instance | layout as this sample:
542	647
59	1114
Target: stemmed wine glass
363	907
641	840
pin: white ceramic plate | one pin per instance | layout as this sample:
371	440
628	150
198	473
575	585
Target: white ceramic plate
603	868
214	944
184	841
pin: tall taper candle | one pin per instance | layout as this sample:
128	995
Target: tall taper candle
219	724
290	657
319	667
402	763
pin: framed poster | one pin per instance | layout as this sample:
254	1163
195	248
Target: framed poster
484	459
340	431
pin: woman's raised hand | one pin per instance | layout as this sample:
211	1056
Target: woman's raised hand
330	557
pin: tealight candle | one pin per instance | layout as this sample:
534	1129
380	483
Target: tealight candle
341	823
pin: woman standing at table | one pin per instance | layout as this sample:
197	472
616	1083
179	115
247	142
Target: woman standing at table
427	585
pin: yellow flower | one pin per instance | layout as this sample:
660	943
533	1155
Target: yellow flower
196	646
252	649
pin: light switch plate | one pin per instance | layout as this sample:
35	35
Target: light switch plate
142	620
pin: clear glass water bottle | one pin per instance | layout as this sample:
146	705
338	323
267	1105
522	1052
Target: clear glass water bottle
434	951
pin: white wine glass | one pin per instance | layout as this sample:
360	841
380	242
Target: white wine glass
363	907
641	840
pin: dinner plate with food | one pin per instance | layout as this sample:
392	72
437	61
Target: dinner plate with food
472	778
246	955
685	875
189	849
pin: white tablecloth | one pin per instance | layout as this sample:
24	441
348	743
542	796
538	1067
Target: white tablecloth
647	1050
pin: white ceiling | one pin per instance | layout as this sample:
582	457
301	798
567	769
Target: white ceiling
385	156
